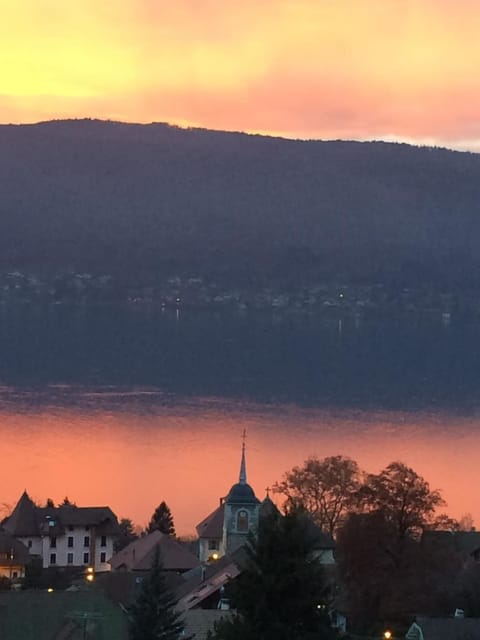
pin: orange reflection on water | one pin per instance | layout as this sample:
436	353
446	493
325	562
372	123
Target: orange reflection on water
188	454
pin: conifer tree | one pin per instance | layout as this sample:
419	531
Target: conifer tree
162	520
281	593
153	617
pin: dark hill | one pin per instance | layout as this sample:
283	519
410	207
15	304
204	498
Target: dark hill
139	199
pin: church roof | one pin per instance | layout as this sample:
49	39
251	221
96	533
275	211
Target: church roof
212	525
241	494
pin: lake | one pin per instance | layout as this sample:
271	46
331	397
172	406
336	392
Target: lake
129	406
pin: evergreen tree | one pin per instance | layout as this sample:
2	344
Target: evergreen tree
162	520
281	593
126	536
153	617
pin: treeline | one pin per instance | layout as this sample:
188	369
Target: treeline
393	559
137	200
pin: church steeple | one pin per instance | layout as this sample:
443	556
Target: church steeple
243	467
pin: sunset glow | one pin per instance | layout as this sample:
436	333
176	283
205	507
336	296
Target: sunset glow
395	69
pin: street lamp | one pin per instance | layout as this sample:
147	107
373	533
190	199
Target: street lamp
388	635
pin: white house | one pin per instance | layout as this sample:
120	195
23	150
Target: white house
65	536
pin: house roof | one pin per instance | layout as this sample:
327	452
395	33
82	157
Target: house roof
212	525
139	554
23	519
27	519
202	589
445	629
198	622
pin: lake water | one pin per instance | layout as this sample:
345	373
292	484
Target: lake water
131	406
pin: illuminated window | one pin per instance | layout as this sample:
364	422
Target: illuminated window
242	520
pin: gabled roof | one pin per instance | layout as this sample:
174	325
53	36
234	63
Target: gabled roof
27	519
201	590
23	519
139	554
212	525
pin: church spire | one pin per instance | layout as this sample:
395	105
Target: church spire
243	466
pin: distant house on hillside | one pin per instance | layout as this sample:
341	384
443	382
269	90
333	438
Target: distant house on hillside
64	536
139	554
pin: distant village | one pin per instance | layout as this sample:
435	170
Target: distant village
197	292
388	565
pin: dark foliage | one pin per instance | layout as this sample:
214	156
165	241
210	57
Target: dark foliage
85	194
282	593
152	617
162	520
127	534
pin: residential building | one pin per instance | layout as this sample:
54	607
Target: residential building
13	557
64	536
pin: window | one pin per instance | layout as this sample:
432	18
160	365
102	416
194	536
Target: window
86	558
103	541
69	558
53	542
213	545
70	541
242	520
86	541
53	558
103	557
30	543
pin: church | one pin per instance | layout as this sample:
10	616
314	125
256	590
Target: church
226	529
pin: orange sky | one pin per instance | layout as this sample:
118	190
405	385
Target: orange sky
395	69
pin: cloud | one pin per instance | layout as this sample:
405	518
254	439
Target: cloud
405	69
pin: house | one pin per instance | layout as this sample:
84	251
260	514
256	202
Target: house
444	629
64	536
13	557
139	554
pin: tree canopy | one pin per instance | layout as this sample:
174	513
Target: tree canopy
326	488
162	520
282	592
153	617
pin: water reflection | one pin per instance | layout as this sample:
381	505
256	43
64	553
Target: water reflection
132	448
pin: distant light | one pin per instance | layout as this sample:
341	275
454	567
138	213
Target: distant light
89	569
50	590
215	556
90	577
341	295
388	635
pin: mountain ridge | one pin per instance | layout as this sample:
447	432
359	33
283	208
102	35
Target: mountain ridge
136	199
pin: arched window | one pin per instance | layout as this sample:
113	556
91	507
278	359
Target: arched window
242	520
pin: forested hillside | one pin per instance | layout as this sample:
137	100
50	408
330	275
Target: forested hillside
133	200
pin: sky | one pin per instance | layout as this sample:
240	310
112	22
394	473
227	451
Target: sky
353	69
